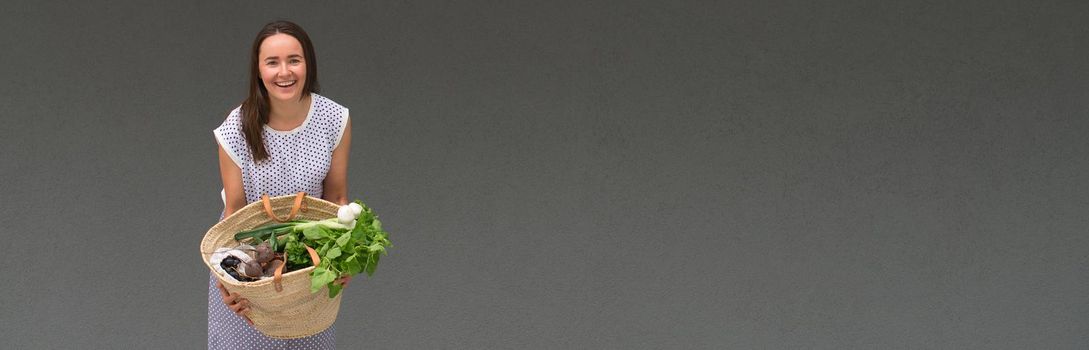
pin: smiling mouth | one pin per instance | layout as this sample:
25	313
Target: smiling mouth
285	83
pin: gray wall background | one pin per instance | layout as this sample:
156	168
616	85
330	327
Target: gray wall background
577	174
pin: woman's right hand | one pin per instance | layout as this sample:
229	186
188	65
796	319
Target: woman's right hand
235	302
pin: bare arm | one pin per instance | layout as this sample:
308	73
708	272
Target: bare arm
232	183
335	186
235	199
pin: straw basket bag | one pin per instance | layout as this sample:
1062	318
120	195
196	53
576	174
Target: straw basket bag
288	310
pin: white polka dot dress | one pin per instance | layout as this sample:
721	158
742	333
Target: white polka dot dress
298	161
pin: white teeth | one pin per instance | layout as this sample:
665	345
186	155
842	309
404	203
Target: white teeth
285	83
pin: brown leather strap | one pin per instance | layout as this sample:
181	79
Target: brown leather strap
278	275
295	208
313	255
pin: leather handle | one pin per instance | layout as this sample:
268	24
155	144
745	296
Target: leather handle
299	205
295	208
279	274
313	255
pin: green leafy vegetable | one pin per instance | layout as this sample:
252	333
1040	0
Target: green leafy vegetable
342	250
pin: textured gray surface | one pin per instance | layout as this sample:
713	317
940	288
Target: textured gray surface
846	174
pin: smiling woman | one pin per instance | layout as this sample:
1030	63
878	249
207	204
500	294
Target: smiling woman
283	139
282	66
281	56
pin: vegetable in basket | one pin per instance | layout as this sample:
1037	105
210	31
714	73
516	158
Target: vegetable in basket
346	245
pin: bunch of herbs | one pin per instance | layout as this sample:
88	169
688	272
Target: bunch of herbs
341	252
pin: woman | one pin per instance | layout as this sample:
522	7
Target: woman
283	139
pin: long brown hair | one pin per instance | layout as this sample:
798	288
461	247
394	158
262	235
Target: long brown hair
255	108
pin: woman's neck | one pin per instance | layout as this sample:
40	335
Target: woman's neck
288	111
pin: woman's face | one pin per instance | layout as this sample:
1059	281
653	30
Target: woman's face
283	67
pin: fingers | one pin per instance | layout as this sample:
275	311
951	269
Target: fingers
239	305
222	289
230	298
343	281
242	309
235	302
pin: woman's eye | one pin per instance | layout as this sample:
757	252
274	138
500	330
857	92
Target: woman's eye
296	61
270	63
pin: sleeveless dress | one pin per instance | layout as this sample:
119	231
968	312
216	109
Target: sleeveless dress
298	161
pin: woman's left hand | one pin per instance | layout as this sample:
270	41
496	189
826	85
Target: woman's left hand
343	281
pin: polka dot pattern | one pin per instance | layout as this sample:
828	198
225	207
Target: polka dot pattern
298	161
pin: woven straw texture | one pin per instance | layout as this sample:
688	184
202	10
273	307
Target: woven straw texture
293	312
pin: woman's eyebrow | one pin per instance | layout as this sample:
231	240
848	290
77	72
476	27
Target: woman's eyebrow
289	56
